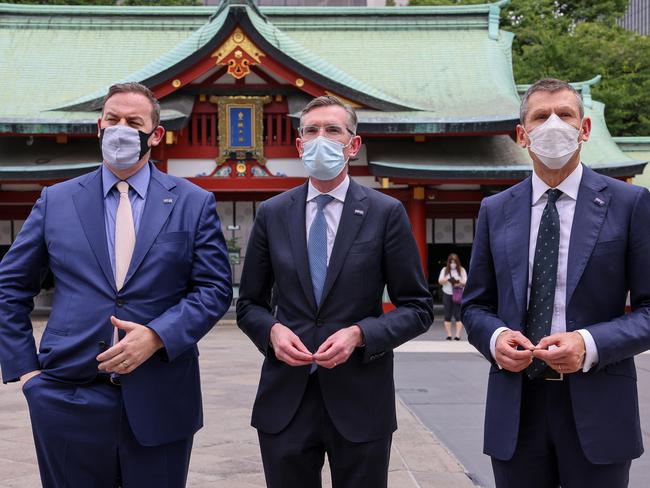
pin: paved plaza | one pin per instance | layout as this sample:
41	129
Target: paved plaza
226	453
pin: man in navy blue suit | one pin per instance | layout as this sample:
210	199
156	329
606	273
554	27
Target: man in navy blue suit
330	247
141	274
552	263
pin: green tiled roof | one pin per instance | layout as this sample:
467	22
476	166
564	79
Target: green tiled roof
601	149
48	60
55	57
307	56
491	157
496	157
446	64
42	158
637	148
197	40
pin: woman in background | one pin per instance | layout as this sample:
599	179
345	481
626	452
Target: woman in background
452	276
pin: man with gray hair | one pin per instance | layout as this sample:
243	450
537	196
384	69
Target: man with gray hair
552	262
330	246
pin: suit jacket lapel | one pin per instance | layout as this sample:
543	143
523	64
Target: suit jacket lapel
591	209
517	218
351	221
89	203
159	204
298	240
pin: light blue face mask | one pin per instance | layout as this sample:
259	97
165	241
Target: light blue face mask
323	158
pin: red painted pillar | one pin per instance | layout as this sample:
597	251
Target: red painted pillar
418	217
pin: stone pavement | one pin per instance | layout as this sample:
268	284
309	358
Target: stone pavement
226	454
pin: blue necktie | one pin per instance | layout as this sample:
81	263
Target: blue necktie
317	247
542	292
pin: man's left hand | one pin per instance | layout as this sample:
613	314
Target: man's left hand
338	347
138	345
569	354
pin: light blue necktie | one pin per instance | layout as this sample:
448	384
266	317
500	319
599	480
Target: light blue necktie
317	247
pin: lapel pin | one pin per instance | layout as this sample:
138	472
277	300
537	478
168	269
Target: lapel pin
599	202
358	212
168	200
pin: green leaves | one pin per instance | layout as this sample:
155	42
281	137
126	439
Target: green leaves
575	40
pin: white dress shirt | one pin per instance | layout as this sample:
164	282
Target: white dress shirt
332	211
566	207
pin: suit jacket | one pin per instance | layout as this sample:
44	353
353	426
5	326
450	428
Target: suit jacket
178	284
374	247
609	254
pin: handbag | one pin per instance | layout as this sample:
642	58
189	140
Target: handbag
457	294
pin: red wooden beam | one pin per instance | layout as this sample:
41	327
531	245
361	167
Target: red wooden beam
453	210
292	77
446	181
359	171
14	212
191	152
19	197
442	196
235	185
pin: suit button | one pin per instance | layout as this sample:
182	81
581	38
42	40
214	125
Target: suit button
319	323
119	303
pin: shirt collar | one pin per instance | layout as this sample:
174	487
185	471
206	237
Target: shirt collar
338	193
568	187
139	181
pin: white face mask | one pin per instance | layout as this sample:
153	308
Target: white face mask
554	142
452	265
123	146
323	158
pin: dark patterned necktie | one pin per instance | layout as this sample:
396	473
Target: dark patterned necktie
542	293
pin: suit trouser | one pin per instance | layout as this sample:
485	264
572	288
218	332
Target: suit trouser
83	439
548	451
294	457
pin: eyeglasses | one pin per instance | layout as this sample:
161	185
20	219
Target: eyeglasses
309	132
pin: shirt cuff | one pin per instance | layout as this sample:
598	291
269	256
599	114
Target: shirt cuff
493	343
591	351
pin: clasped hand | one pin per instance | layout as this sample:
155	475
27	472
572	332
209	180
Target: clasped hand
514	351
336	349
138	345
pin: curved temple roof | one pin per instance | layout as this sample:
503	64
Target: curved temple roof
412	70
410	59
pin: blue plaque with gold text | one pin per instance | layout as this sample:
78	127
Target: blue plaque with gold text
241	130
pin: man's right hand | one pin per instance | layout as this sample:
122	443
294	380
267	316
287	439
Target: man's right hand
288	347
28	376
508	356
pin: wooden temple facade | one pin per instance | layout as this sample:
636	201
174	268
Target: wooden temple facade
433	88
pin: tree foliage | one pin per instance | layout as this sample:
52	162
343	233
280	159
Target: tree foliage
575	40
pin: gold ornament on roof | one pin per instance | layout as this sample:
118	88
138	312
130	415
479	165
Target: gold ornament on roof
238	53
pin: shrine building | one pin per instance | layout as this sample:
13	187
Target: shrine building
433	88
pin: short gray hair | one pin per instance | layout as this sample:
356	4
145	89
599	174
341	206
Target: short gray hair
550	85
329	100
